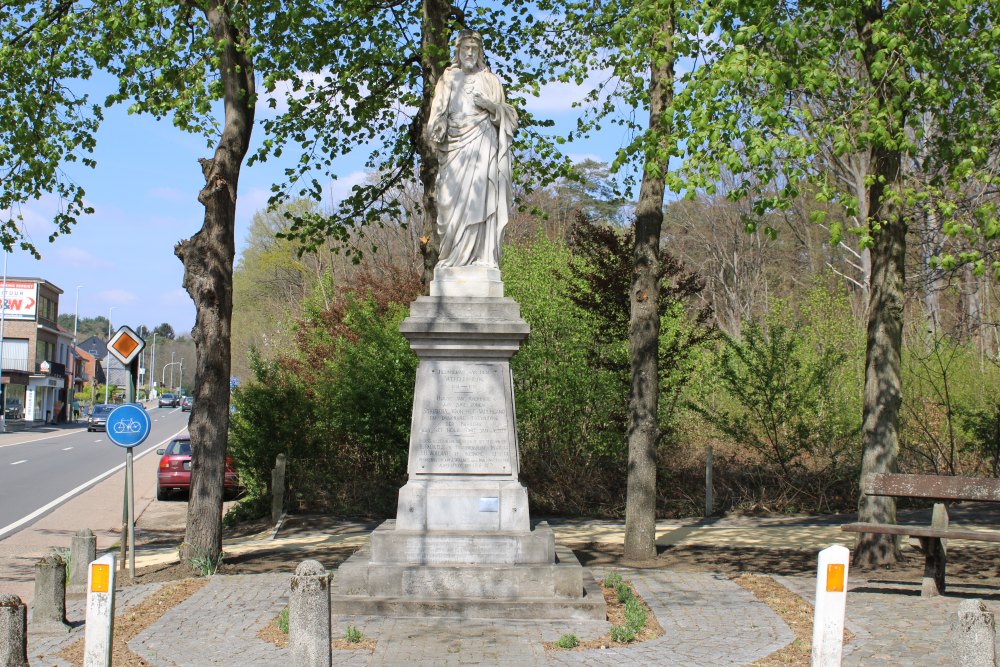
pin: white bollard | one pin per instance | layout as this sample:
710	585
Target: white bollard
100	612
831	602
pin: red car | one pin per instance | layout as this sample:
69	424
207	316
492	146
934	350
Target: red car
175	470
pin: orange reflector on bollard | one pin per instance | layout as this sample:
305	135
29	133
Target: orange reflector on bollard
99	577
835	578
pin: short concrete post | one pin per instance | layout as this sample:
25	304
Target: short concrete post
83	550
309	616
48	611
831	603
974	633
100	625
278	488
13	631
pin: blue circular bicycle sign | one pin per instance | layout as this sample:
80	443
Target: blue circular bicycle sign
128	426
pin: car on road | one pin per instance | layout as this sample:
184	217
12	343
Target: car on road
97	420
187	403
169	401
174	471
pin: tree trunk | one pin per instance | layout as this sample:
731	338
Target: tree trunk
644	325
883	380
434	58
208	278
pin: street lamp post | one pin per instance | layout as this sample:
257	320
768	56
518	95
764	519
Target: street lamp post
3	317
180	384
152	365
75	369
107	369
172	372
76	314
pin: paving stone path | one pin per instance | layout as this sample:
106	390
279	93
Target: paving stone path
893	625
708	621
44	649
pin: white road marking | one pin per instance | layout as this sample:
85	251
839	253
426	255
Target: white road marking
66	449
83	487
46	437
17	463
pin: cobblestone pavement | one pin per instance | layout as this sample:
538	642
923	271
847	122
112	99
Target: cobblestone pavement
708	620
893	625
44	649
218	625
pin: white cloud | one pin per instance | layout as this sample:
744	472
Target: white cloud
558	96
78	258
341	188
117	297
283	91
577	158
170	194
177	296
252	200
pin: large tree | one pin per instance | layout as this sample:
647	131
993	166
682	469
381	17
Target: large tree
880	69
348	75
632	49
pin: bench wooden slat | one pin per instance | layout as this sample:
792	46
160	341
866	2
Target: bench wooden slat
933	486
921	531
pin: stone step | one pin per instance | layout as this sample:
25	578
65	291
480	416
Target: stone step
390	545
590	605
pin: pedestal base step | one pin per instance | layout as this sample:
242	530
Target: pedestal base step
455	547
561	590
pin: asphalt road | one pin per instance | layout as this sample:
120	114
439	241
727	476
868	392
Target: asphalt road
42	469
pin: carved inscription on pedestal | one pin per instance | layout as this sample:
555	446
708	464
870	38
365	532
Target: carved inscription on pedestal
461	422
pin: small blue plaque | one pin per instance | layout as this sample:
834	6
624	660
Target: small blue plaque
489	504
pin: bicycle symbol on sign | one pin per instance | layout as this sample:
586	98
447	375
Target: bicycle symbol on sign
130	426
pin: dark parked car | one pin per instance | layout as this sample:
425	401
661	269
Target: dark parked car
169	401
186	404
98	418
174	471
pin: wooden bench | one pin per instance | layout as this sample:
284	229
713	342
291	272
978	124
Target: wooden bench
931	537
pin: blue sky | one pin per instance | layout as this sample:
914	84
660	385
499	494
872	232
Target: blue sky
144	192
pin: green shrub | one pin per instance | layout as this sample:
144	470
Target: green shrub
567	641
622	634
338	406
635	615
353	635
612	579
623	592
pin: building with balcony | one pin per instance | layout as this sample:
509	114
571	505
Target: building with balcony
36	355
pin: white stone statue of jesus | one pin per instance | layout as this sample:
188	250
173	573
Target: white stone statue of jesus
472	126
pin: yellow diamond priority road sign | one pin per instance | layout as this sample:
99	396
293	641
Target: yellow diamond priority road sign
126	345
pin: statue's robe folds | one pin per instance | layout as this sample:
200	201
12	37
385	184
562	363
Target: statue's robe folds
474	190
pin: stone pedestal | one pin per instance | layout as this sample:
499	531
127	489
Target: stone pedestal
462	542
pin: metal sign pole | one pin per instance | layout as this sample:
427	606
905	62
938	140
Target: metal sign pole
133	371
124	540
130	491
127	426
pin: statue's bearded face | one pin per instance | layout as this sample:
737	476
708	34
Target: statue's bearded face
468	54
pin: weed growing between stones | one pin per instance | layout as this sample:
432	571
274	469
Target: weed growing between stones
352	635
283	620
567	641
204	565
